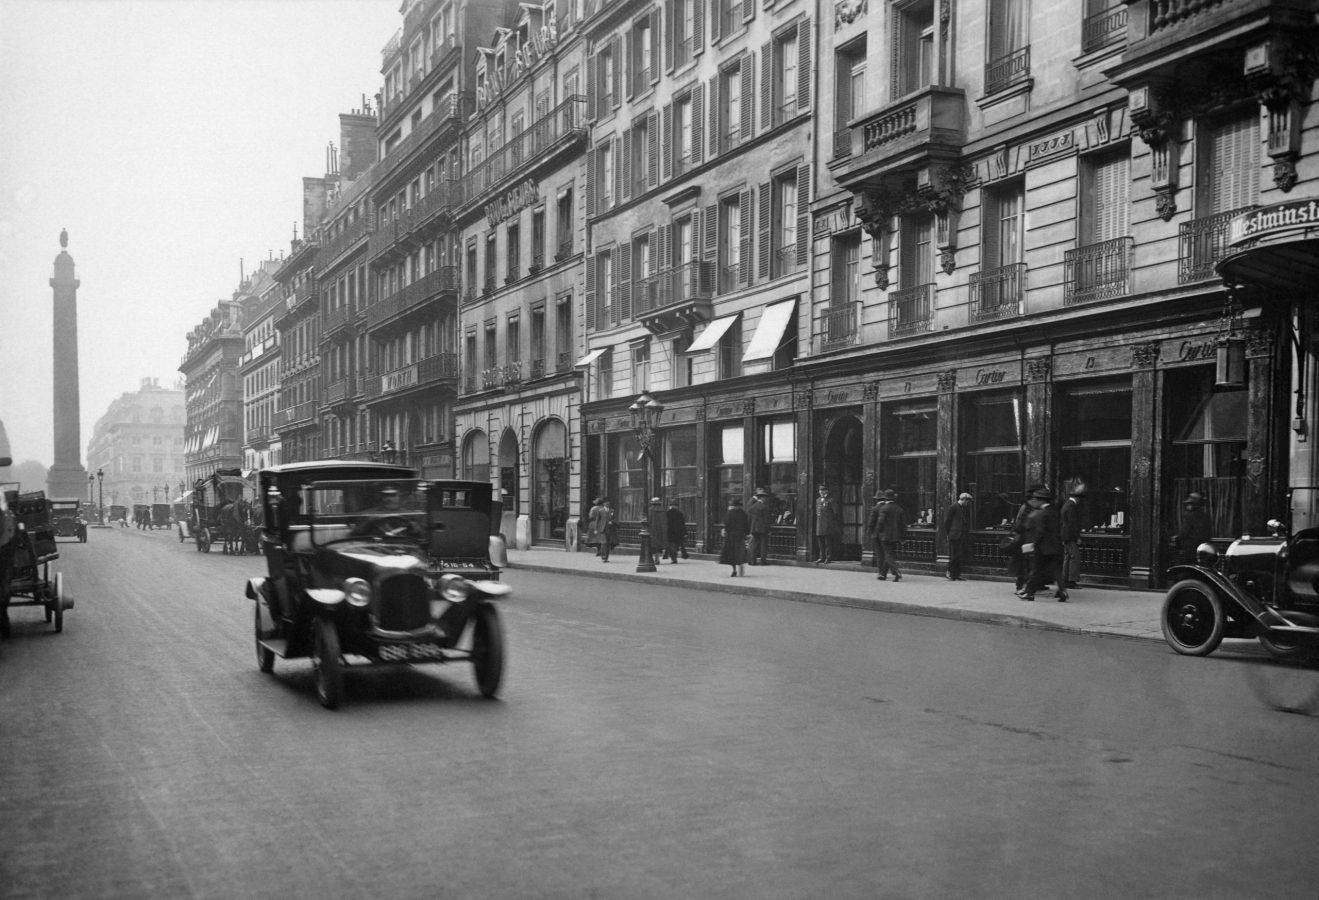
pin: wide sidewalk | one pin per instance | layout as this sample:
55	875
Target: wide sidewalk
1090	610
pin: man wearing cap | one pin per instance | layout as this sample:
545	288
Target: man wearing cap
657	520
887	527
1043	545
956	527
1196	529
758	513
828	526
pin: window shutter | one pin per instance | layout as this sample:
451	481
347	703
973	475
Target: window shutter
1233	167
652	148
629	41
767	86
989	231
662	260
590	294
591	181
748	96
764	234
1110	200
748	10
715	19
654	46
803	66
666	143
615	194
625	189
714	117
803	214
698	27
615	281
624	304
668	36
710	245
592	88
746	253
698	123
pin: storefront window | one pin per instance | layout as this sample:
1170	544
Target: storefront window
778	469
993	464
476	457
911	442
629	468
551	480
1094	437
730	465
1207	432
679	481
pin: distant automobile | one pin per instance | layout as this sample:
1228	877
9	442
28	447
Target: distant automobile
68	520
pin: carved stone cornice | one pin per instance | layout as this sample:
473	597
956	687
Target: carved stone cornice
1039	369
801	400
947	381
749	406
1145	355
870	391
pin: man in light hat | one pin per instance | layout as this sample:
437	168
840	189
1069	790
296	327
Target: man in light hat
1043	545
887	527
956	527
1196	528
758	513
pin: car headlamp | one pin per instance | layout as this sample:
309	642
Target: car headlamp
453	588
356	591
1206	555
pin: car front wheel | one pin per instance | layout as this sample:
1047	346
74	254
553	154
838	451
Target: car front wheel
488	650
1283	649
1192	618
327	664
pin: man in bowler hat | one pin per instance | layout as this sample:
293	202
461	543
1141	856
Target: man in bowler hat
758	513
956	527
887	527
1042	544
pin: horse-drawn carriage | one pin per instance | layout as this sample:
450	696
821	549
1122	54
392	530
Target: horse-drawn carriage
27	548
222	512
119	515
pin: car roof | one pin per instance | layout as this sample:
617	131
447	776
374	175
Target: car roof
331	468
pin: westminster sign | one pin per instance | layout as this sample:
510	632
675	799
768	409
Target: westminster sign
1267	220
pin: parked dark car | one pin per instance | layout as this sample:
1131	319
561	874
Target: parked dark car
366	563
1263	588
68	520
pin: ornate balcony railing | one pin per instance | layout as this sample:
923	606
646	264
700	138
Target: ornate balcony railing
259	434
443	280
434	369
729	278
1201	244
786	110
342	241
297	416
459	106
1168	13
677	285
998	293
563	362
558	128
538	368
564	250
911	310
785	261
1103	28
334	319
1097	271
837	327
1004	72
340	389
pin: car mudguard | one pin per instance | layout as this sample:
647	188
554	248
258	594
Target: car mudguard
1238	600
326	597
490	590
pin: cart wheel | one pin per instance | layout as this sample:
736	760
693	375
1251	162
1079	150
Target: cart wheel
1192	618
58	602
327	663
488	649
265	657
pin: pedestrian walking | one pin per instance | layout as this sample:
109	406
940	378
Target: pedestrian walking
610	529
828	526
956	527
601	530
1018	565
1069	515
734	552
594	533
657	521
676	528
1043	545
1196	528
887	526
759	513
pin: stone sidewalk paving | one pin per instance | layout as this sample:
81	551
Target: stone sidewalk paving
1090	610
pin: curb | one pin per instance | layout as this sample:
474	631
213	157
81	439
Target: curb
887	606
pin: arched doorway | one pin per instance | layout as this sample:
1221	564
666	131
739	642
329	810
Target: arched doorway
508	471
549	504
843	470
476	456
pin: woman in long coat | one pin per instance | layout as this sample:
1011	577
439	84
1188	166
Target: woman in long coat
736	526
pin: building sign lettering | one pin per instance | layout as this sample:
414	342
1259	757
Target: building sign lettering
403	378
1192	350
514	200
990	376
1256	223
540	45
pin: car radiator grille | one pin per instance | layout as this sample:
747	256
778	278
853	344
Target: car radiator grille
404	603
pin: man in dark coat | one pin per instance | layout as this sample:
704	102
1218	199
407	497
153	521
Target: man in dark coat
1042	544
736	524
1070	532
956	527
828	526
758	513
887	527
676	528
1196	529
657	522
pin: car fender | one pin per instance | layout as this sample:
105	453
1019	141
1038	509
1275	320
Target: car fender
1230	593
498	551
325	597
489	590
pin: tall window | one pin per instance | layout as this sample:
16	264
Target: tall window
916	245
513	339
732	453
730	243
643	55
1228	164
490	262
491	344
784	225
640	155
850	93
514	252
993	465
1009	50
644	296
785	76
845	275
911	452
684	31
730	107
604	168
604	287
682	110
683	237
1105	198
778	469
640	366
1003	225
914	46
1094	436
563	333
564	225
604	376
538	238
730	351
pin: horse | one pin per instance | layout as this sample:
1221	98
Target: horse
234	521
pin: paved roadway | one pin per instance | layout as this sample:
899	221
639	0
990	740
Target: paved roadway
650	742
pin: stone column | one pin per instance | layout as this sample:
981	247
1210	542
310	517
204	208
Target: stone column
66	478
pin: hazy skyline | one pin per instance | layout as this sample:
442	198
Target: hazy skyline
170	139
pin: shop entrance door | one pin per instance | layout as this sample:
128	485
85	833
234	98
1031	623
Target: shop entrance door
844	474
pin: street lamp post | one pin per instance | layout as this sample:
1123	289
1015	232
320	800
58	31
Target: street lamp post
100	492
645	424
91	495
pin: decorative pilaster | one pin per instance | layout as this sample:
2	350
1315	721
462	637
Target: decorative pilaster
1144	356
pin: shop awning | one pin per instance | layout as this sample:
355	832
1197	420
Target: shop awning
590	358
712	333
769	333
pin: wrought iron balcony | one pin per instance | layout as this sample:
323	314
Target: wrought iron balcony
1104	28
444	280
460	105
678	286
559	128
298	416
730	278
920	129
998	293
333	320
837	327
787	109
911	310
339	390
1201	243
261	434
785	261
538	368
1098	271
336	245
563	362
1007	71
405	232
435	369
564	251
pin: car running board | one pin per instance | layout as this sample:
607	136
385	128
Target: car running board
277	646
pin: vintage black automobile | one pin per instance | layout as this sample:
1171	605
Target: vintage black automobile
1264	588
366	563
68	520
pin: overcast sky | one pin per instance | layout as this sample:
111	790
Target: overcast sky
170	139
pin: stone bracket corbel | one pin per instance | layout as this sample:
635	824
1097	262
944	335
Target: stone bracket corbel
941	189
876	215
1156	123
1280	77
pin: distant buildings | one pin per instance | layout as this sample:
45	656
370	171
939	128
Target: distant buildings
214	401
138	446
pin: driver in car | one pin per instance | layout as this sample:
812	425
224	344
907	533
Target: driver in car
389	517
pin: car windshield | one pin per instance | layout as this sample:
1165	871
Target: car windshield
376	509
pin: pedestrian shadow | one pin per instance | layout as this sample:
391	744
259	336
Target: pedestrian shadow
378	685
